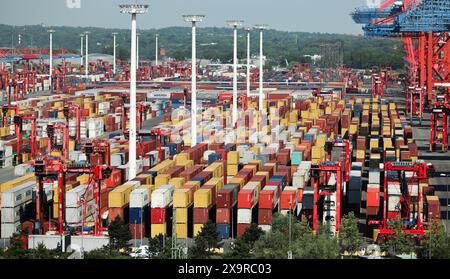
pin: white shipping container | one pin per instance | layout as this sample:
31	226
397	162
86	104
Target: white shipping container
139	198
244	216
161	198
11	215
413	190
75	214
394	189
394	203
8	229
265	228
73	197
18	195
135	184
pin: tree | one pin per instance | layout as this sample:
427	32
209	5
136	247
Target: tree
16	251
322	245
399	243
243	246
436	242
119	234
104	253
205	242
350	239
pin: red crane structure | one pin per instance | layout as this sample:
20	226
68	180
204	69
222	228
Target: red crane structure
62	128
439	123
323	189
412	222
71	109
49	167
5	110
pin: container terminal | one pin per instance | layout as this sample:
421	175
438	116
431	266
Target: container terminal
168	146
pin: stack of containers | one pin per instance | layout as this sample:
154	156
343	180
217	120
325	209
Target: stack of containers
204	203
268	204
139	212
232	163
16	208
226	216
247	209
118	202
355	187
183	199
75	206
394	195
161	210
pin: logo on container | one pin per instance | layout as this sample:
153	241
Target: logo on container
73	4
373	3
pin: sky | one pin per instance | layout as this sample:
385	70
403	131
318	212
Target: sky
325	16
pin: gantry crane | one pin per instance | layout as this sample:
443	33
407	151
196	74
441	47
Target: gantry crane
439	123
49	167
411	221
5	110
74	109
321	188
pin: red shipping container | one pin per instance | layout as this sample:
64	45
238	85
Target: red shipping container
224	198
373	197
137	231
265	216
393	215
115	211
158	215
223	216
266	199
175	171
201	215
242	228
268	169
371	211
246	198
275	183
288	200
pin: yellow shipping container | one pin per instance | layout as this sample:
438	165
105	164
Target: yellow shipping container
181	215
182	198
217	182
16	182
182	157
232	170
178	182
216	169
148	178
233	158
236	180
83	179
120	196
186	164
157	229
161	179
202	198
360	154
182	231
263	173
197	229
251	167
196	184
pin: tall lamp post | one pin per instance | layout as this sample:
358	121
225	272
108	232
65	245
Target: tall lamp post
133	9
261	28
86	73
235	24
81	49
137	50
249	30
114	51
51	31
156	49
194	19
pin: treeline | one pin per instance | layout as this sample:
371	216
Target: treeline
213	43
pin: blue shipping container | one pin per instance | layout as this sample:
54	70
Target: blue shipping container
223	231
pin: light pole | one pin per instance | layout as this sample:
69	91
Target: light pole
235	24
261	28
137	50
51	31
249	30
133	9
86	70
114	51
194	19
156	50
81	49
290	231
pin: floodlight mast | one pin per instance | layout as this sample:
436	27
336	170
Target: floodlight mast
51	31
157	49
137	50
194	19
249	30
86	73
261	28
114	50
133	9
235	24
81	48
